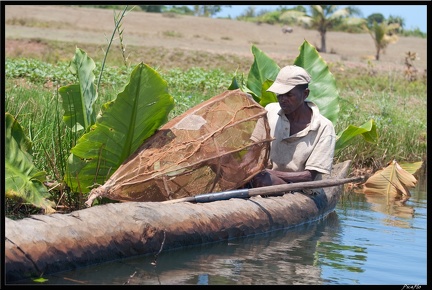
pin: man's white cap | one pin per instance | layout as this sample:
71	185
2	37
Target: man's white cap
289	77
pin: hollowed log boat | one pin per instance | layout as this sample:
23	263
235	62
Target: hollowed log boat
47	244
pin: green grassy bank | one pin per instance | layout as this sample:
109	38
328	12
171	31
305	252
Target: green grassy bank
396	103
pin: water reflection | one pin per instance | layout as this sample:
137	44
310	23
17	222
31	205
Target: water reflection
390	206
293	256
341	257
394	206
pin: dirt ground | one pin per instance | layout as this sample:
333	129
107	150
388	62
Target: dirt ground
26	24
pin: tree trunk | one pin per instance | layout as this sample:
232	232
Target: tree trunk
323	41
377	53
46	244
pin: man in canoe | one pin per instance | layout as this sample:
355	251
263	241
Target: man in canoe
304	140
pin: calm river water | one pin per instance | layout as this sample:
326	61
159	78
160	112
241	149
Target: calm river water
363	242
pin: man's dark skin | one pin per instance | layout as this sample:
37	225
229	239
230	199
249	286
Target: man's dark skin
299	114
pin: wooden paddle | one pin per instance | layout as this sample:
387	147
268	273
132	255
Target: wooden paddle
266	190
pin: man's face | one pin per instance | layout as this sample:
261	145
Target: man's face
292	100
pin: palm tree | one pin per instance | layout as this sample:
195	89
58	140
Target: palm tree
397	19
383	34
207	10
324	17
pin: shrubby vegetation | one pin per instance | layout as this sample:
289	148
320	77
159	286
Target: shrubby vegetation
388	98
276	17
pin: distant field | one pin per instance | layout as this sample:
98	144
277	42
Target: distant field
162	39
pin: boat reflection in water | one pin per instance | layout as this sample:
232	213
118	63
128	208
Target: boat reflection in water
291	256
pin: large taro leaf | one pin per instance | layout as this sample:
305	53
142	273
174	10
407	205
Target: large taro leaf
323	89
367	130
262	69
22	179
78	99
237	82
121	127
392	181
412	167
267	97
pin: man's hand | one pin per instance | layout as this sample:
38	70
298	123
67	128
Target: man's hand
269	177
266	178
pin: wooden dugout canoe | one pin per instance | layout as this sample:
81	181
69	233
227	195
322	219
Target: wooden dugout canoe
46	244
